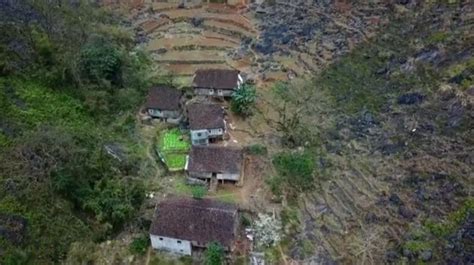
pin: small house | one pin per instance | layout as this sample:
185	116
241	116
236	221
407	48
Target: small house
183	224
165	103
216	82
219	162
206	122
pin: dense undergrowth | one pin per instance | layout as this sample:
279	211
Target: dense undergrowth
70	162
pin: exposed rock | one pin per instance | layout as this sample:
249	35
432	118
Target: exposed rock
470	91
410	99
395	200
116	151
13	228
405	212
408	253
403	2
390	149
426	255
391	256
197	21
429	56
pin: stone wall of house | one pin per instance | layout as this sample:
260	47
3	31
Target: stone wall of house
175	245
229	176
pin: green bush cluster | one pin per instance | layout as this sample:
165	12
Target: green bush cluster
140	245
295	173
198	192
214	254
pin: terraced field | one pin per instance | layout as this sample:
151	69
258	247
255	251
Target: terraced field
183	40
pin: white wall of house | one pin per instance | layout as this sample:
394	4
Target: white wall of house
171	244
175	114
219	176
201	137
240	81
216	132
215	92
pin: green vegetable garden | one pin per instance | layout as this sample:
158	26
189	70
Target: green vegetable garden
173	148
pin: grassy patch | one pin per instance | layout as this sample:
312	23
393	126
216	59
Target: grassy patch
181	188
417	246
226	196
175	161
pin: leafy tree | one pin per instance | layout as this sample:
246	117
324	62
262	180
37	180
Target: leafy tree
100	60
290	125
243	100
114	200
214	254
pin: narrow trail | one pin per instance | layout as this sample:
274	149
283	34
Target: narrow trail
148	253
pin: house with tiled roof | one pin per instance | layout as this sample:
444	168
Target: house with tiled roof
216	82
219	162
206	122
183	224
165	103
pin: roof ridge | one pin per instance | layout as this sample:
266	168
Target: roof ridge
184	203
208	208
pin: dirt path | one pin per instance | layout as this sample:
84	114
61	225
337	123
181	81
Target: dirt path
148	254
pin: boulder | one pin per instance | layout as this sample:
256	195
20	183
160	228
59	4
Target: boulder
410	99
426	255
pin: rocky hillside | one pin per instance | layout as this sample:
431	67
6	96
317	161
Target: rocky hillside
390	125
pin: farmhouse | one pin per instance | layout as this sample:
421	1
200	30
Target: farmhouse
216	82
219	162
164	102
206	122
181	224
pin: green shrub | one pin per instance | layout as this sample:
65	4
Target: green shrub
281	89
139	245
214	254
245	221
243	100
275	184
295	169
198	192
257	149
